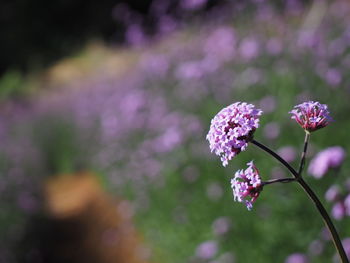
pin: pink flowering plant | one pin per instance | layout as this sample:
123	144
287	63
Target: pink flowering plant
311	115
246	185
232	129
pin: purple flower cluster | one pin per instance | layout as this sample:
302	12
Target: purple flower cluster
341	202
331	157
231	130
311	115
247	185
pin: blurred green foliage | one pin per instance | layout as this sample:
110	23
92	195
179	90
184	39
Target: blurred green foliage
11	85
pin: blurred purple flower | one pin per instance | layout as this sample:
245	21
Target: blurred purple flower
338	210
347	205
268	104
221	44
209	64
207	250
274	46
221	225
308	39
333	77
346	245
296	258
288	153
271	130
249	48
166	24
294	6
316	247
231	130
265	12
247	185
154	65
193	4
311	115
250	76
325	235
333	193
331	157
337	47
134	35
168	140
189	70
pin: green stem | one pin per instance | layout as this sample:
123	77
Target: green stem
303	155
275	155
326	219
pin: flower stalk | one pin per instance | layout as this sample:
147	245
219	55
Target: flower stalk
303	155
276	156
279	180
326	218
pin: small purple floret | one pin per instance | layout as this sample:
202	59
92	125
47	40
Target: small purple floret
311	115
231	130
246	185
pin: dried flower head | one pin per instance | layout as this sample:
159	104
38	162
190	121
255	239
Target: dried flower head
247	185
311	115
231	130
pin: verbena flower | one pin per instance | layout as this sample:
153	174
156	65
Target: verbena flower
247	185
331	157
333	193
231	130
346	245
207	250
311	115
296	258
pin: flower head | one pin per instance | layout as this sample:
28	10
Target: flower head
231	130
311	115
247	185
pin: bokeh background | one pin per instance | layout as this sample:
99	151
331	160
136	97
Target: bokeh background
104	109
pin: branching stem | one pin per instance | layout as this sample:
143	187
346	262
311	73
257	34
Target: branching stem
280	180
313	197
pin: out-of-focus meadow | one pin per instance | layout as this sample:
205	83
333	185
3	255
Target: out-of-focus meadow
104	151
